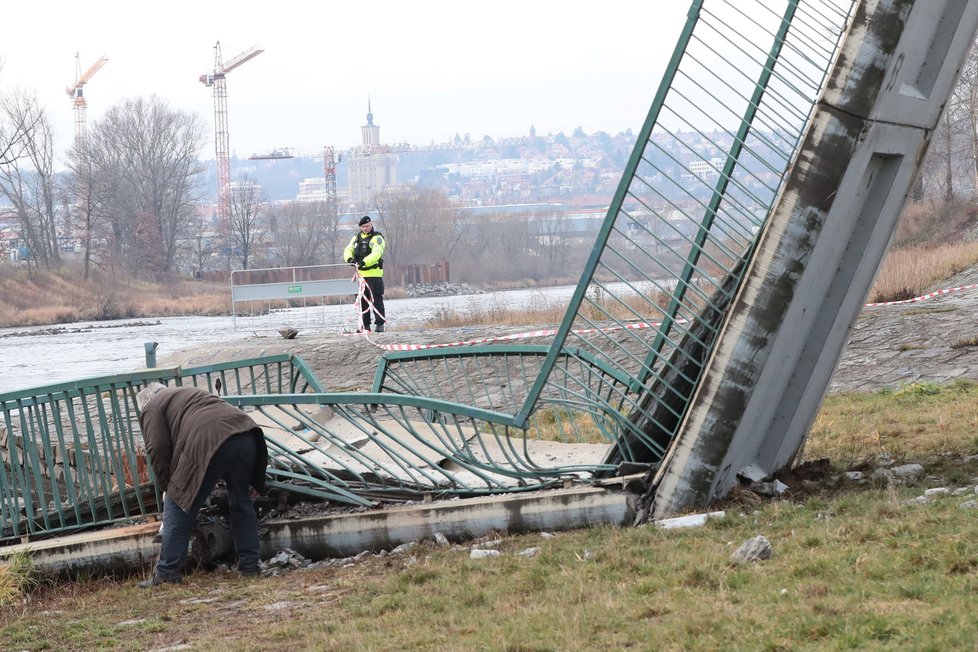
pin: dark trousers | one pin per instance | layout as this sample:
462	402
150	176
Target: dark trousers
374	292
233	462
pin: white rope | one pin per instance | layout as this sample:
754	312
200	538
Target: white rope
363	296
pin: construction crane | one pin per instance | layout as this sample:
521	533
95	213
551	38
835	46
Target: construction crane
329	170
216	78
77	94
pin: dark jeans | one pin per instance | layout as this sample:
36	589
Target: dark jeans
233	463
373	292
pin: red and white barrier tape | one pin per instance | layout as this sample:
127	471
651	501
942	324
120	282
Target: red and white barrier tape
924	297
548	332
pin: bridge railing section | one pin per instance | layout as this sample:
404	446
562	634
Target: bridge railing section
709	162
362	449
73	455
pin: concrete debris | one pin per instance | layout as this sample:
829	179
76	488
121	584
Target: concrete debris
854	476
691	520
908	472
288	333
484	554
530	552
969	504
547	535
288	558
754	549
404	547
278	606
937	492
771	489
442	540
491	543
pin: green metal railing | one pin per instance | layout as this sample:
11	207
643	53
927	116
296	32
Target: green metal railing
73	455
612	388
707	168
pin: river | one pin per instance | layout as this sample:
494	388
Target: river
35	356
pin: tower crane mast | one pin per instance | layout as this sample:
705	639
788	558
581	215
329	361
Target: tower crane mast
77	94
217	79
329	171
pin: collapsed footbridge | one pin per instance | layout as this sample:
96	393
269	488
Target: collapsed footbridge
695	351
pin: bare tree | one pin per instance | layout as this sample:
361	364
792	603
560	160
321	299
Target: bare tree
498	248
87	191
304	233
553	234
13	131
248	226
148	152
27	180
962	112
421	224
201	245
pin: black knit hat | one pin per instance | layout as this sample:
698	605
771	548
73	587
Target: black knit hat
364	220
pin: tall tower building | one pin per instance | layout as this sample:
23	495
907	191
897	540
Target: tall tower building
372	166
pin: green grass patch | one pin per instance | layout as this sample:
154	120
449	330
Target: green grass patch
855	566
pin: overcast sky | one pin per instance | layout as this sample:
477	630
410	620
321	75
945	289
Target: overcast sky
431	68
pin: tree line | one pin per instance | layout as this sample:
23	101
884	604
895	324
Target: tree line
130	196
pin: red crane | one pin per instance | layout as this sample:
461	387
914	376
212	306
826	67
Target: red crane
77	95
216	78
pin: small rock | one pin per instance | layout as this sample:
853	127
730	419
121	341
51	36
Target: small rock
442	540
771	489
854	476
134	621
936	491
882	474
404	547
529	552
969	504
754	549
908	471
288	333
484	554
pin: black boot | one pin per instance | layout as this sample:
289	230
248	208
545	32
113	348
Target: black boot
380	328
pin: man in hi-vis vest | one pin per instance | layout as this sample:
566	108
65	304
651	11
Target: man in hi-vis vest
366	251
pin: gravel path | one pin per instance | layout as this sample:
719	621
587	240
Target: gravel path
933	340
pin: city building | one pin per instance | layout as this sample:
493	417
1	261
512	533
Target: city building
372	166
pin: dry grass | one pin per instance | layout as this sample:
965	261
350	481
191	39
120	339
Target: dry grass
496	313
17	579
911	271
918	421
857	566
51	298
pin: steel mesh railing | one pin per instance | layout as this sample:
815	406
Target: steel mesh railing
73	454
709	164
707	168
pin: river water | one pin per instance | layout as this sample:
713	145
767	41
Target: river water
35	356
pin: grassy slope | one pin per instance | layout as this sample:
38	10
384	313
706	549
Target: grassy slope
855	565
